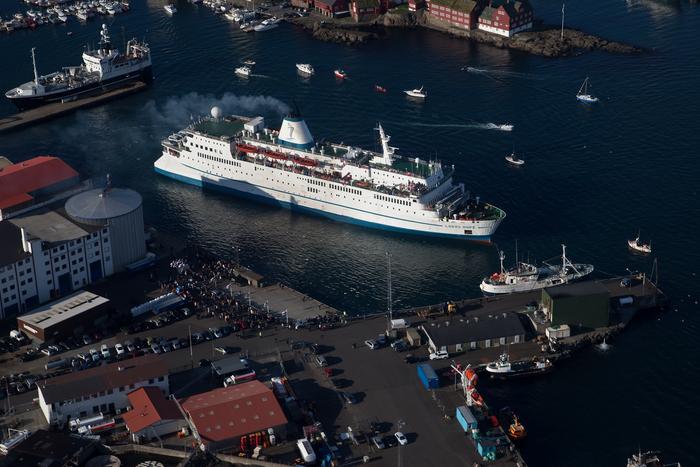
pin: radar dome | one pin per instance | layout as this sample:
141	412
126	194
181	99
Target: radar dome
216	112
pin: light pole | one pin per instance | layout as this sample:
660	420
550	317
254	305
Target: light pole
388	292
399	425
563	5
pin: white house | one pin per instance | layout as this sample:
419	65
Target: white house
102	389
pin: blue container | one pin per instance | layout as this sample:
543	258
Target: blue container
427	376
466	418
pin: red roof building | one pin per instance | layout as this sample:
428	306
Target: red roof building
21	183
460	13
152	414
331	8
222	416
506	17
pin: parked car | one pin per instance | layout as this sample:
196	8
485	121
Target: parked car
175	343
349	398
130	347
321	361
401	438
155	348
399	345
378	443
95	355
119	349
105	351
87	340
439	355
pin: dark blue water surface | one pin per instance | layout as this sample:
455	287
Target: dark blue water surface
594	175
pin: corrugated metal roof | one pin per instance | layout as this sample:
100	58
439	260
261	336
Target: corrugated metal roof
60	310
31	175
226	413
149	406
476	328
99	204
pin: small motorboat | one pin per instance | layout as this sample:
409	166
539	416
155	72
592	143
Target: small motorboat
243	71
248	62
379	88
305	68
516	430
584	95
512	159
417	93
170	9
637	245
340	74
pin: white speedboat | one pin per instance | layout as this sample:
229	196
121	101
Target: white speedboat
417	93
305	68
243	71
525	277
512	159
170	9
584	94
638	246
266	25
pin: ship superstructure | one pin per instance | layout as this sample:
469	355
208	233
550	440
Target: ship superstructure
101	67
341	182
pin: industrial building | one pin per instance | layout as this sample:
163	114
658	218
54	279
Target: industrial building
581	305
33	182
101	389
52	449
475	332
47	254
219	418
152	415
63	318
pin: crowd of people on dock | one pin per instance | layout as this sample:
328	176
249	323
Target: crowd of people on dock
204	282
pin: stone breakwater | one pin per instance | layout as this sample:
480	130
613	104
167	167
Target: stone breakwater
544	40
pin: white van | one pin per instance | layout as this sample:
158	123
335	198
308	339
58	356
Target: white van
306	450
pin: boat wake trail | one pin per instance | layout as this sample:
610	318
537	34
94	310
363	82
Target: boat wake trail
177	111
491	72
467	126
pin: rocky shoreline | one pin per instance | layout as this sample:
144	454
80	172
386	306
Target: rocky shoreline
542	41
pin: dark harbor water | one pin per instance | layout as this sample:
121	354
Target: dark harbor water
594	176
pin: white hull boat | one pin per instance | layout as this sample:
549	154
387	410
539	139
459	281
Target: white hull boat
584	95
305	68
417	93
512	159
525	277
638	246
243	71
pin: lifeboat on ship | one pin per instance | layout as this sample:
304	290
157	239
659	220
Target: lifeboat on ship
247	148
276	155
361	184
305	162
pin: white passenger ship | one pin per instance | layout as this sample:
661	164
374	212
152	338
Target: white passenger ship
345	183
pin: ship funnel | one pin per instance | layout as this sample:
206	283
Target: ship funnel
295	133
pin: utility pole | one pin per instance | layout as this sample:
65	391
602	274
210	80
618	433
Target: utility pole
399	425
563	5
388	292
189	332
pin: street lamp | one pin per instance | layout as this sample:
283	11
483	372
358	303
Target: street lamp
399	425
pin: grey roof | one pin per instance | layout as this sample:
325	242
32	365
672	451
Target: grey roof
11	250
577	289
55	446
50	226
66	308
228	365
102	378
100	204
476	328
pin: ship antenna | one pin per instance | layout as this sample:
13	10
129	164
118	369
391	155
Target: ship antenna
501	257
36	74
517	263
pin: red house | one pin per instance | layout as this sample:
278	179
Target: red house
460	13
362	10
331	8
506	17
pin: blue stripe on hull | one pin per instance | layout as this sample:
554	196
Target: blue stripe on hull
296	207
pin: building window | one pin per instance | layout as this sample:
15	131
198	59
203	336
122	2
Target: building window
161	378
502	341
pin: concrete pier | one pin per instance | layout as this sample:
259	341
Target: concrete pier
57	109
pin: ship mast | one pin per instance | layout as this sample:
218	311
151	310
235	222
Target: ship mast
387	151
563	258
501	257
36	73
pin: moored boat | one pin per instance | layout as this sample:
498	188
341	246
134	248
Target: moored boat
503	368
170	8
243	71
525	277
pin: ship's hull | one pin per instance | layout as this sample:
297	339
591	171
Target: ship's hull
32	102
520	374
172	168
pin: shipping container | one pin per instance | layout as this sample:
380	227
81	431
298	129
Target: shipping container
413	337
427	376
466	418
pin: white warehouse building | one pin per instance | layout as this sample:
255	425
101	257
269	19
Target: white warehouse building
103	389
49	254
